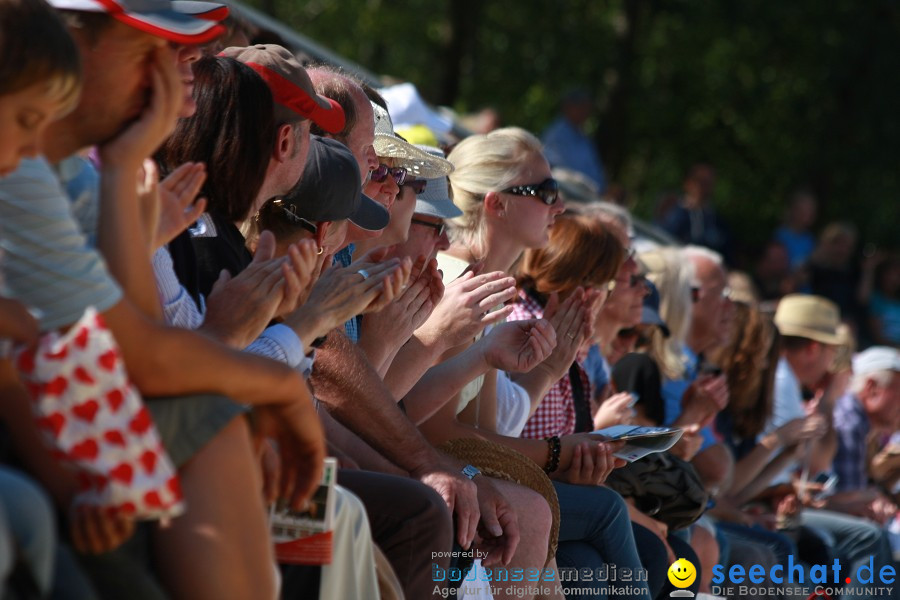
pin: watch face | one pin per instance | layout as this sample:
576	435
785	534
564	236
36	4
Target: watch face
470	471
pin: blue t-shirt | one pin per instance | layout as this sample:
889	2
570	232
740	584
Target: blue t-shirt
798	245
887	310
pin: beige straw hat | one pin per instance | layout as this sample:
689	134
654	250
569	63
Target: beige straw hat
418	162
807	316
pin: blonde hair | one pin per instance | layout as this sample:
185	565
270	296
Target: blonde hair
485	163
37	49
672	275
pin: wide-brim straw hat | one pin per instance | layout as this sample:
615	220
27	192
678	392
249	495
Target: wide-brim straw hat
419	163
811	317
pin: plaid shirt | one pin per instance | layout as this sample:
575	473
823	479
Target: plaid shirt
555	415
852	426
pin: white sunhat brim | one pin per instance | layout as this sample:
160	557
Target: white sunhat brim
418	162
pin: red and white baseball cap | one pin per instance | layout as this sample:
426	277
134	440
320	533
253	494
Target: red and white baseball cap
185	22
290	85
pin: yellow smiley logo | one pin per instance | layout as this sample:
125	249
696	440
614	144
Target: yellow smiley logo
682	573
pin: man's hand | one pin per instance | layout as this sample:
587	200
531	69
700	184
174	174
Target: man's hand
498	530
341	293
465	308
461	497
296	430
394	324
801	429
518	346
143	136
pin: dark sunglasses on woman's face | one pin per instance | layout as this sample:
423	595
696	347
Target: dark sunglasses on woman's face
547	191
417	185
381	173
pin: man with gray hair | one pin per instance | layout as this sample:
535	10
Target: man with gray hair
871	404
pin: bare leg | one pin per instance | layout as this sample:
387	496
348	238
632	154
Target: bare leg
707	549
555	591
534	526
220	548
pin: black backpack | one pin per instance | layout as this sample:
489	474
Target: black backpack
664	487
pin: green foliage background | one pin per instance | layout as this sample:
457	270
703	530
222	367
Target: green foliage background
775	93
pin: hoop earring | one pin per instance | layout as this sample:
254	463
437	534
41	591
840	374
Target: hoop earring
321	250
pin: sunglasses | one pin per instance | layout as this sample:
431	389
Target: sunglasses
289	211
417	185
632	281
381	173
439	227
547	191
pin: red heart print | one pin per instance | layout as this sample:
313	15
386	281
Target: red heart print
86	411
25	363
86	450
57	386
152	499
101	323
82	375
81	339
108	360
174	486
115	399
113	436
123	473
60	354
54	422
141	423
148	459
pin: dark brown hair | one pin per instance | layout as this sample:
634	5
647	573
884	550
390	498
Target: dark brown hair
582	251
749	362
37	48
233	132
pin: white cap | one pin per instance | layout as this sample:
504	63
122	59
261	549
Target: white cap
876	359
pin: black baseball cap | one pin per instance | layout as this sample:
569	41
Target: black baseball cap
330	189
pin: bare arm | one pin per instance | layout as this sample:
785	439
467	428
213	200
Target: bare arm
122	236
350	443
353	393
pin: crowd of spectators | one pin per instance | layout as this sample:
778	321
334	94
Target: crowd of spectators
245	253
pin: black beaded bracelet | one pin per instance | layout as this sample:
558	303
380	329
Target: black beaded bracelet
555	450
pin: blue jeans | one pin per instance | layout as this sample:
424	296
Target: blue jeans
856	540
595	533
30	519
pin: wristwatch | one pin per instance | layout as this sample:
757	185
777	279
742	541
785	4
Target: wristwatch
470	471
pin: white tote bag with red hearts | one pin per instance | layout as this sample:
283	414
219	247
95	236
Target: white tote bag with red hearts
96	422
